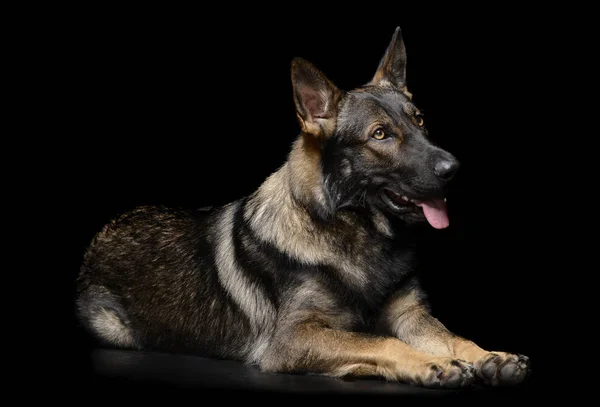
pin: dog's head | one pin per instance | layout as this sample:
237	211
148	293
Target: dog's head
373	142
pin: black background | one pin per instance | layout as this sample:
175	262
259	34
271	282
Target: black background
190	108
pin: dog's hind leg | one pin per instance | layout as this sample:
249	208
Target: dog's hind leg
103	315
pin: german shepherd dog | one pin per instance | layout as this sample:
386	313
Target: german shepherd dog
314	271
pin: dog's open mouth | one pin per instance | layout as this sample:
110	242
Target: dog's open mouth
434	210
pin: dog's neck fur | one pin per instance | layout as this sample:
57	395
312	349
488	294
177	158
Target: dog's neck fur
290	207
305	178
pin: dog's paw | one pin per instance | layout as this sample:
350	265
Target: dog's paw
500	368
449	373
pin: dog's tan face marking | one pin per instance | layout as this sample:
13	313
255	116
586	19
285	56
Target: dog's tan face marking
389	111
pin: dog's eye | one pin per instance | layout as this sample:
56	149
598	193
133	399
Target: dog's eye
419	120
379	134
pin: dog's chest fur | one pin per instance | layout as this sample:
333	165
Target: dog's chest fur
350	264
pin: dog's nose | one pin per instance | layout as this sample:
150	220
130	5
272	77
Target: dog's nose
445	168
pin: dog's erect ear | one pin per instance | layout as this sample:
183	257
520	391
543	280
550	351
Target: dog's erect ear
392	67
316	98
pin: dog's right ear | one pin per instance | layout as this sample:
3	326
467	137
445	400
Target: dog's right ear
316	99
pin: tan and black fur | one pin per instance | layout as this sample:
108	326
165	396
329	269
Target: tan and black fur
314	272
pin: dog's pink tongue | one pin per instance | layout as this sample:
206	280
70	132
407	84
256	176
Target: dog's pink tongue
436	213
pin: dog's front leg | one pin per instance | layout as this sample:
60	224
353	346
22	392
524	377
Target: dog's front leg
407	317
312	345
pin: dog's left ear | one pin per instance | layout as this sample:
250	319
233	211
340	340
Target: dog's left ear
392	67
316	99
